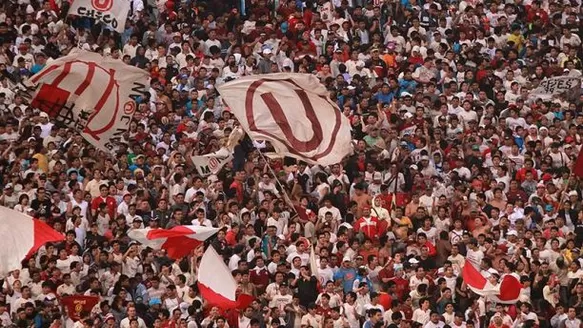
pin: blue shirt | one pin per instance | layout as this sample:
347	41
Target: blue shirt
347	276
384	98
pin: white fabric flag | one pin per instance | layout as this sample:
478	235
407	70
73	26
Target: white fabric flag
21	236
211	163
113	13
90	93
567	85
293	112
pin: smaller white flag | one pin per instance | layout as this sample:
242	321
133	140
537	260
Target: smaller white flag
569	86
211	163
113	13
314	263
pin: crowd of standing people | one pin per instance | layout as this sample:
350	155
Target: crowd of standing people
454	163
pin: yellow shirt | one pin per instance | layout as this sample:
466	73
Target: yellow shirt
43	162
517	39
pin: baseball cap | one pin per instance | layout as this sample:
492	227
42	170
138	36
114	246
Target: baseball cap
155	301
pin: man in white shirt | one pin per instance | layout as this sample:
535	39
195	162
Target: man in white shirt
125	322
572	321
474	254
300	252
434	321
236	257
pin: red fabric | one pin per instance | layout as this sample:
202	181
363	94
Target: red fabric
431	250
385	300
79	303
223	303
578	169
370	229
109	201
178	241
509	288
43	234
231	238
472	277
259	277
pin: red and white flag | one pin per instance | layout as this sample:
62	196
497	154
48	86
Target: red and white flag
112	13
217	285
294	113
178	241
507	291
20	237
92	94
76	304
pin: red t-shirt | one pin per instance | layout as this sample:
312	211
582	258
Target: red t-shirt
259	277
109	202
385	300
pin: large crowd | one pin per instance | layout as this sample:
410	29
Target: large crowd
453	162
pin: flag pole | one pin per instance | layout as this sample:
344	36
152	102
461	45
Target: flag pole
283	190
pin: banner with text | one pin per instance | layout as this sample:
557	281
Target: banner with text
211	163
568	86
89	93
113	13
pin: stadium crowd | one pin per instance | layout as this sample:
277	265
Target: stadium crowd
454	161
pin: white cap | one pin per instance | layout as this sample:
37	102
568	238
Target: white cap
347	225
512	233
416	49
267	51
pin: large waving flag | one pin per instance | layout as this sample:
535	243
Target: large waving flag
293	112
89	93
20	237
178	241
507	291
217	285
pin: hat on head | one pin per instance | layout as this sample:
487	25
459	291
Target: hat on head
155	301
